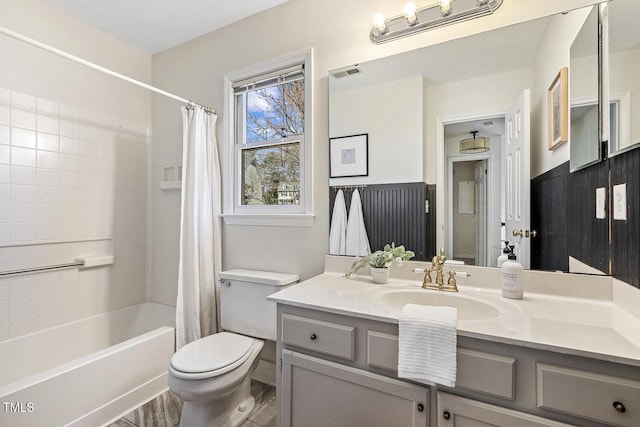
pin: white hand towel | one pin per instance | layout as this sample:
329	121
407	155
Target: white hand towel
338	230
427	344
357	239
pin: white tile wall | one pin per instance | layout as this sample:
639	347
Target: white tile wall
68	174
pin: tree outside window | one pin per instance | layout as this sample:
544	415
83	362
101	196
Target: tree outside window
274	118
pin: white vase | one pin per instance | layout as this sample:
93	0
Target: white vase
380	275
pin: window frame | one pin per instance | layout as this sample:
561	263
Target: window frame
234	212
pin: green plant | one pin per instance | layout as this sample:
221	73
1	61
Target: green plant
382	258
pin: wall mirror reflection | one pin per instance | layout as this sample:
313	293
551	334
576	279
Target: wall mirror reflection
584	88
624	80
417	106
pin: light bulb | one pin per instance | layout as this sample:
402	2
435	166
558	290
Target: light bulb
379	23
410	13
445	7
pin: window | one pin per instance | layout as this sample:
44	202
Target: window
270	138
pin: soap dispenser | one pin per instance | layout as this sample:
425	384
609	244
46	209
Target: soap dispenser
505	254
512	277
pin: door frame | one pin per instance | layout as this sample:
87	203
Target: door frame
442	222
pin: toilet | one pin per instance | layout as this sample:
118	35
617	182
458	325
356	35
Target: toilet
212	375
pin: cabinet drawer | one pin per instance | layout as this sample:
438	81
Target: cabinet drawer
382	350
598	397
478	371
455	411
486	373
323	337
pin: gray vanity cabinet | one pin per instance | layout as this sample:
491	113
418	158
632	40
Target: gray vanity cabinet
325	381
338	370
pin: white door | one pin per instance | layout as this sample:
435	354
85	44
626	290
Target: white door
480	172
517	171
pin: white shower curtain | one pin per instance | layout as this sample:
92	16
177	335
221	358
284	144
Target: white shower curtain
200	245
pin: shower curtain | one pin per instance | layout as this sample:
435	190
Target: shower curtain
200	245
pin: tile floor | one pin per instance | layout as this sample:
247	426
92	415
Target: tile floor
164	410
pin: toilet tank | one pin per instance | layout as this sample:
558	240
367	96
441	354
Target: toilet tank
243	301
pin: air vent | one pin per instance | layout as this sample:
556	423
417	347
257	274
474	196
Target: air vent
347	71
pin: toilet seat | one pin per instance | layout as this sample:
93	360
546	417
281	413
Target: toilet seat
211	356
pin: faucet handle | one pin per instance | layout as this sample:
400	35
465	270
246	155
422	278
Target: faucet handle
452	278
451	282
427	274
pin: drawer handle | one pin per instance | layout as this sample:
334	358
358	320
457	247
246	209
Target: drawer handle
313	337
420	407
619	407
446	415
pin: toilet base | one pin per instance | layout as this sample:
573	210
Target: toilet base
229	411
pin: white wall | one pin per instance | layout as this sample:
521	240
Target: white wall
552	56
339	33
624	78
73	168
392	115
480	97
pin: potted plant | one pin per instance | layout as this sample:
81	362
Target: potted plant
380	261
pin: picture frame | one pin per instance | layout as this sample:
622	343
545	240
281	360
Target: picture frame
558	110
348	156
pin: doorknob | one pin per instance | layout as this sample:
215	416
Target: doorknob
524	233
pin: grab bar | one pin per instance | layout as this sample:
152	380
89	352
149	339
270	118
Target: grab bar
40	269
80	262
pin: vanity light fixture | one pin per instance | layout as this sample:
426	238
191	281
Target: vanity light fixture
415	20
474	144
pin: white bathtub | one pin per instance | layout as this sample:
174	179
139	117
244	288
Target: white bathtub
88	372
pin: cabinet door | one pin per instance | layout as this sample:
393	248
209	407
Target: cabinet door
454	411
319	393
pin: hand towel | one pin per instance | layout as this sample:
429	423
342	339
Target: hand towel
357	239
427	344
338	230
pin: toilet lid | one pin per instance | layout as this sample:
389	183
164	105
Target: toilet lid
211	353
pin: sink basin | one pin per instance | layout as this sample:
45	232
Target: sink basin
468	308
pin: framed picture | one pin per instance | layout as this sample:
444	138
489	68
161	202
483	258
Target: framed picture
558	110
348	156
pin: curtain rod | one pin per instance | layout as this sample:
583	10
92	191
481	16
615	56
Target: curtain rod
97	67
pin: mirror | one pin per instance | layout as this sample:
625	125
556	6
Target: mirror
624	79
583	88
411	104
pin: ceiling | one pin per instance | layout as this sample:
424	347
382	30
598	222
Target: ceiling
157	25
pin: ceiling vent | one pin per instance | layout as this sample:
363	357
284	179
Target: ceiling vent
346	71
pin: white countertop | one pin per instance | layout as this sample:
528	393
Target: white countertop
595	328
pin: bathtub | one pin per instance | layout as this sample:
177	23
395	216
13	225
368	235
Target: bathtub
88	372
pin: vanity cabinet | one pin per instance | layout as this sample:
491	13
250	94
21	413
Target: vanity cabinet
340	370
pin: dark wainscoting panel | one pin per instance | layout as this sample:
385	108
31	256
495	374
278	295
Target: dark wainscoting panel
587	236
625	235
396	213
549	211
565	203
